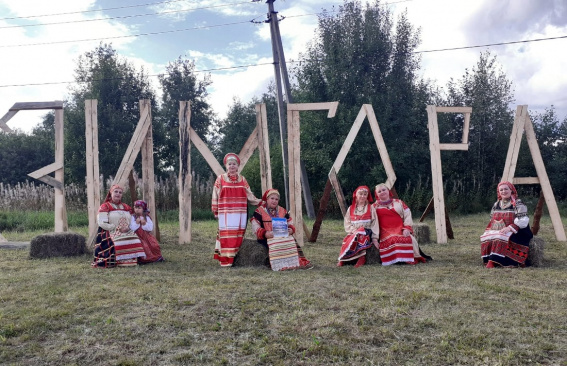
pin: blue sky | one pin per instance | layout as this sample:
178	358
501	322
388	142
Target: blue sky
226	38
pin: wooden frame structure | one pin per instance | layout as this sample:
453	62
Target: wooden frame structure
141	141
42	174
523	122
294	155
435	148
257	139
366	111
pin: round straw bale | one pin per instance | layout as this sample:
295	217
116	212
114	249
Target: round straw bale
57	245
535	254
421	233
251	254
373	256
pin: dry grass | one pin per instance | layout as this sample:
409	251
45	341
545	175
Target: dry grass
189	311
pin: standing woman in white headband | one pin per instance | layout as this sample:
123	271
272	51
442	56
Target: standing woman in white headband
231	195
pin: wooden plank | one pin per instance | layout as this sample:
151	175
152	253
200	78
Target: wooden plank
526	180
347	144
441	109
454	147
381	145
338	191
50	181
466	128
322	210
5	119
295	174
48	169
185	177
263	146
93	183
60	209
544	179
538	213
148	182
436	173
207	154
427	210
515	141
331	106
248	149
29	106
133	148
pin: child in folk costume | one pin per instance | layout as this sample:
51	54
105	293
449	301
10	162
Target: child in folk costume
142	225
231	195
284	252
361	225
116	244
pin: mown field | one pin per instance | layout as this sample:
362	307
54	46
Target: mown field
189	311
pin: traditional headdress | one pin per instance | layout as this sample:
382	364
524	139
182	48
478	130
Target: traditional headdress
361	188
514	194
269	192
382	185
109	194
143	205
231	156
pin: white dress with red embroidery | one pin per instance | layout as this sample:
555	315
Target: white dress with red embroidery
358	226
231	196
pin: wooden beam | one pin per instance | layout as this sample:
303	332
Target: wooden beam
322	210
464	147
5	119
207	154
515	142
381	145
185	178
436	175
338	191
148	181
29	106
331	106
525	180
347	144
48	169
264	146
248	149
92	165
441	109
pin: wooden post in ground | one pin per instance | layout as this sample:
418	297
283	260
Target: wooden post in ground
148	180
92	163
263	147
538	213
184	178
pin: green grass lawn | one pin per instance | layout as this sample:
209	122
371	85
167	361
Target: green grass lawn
190	311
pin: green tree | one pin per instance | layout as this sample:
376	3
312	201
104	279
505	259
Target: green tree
103	75
361	56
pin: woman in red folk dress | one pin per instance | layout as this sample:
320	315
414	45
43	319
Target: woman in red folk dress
116	243
231	195
284	252
397	243
506	239
142	224
361	225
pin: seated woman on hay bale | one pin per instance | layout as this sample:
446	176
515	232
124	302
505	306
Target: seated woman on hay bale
274	228
506	239
229	203
361	225
116	243
397	243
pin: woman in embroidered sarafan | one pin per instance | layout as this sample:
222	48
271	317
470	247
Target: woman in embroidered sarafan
141	223
397	243
361	225
116	243
231	194
280	253
507	236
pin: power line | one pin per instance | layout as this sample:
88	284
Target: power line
124	16
127	36
296	61
91	11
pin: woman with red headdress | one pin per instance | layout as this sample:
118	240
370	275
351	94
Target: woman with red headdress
231	194
507	236
116	243
397	243
361	225
283	250
141	223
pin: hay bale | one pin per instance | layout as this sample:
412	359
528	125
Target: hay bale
372	256
251	254
421	233
535	254
57	245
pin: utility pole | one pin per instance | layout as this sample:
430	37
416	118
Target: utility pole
280	70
